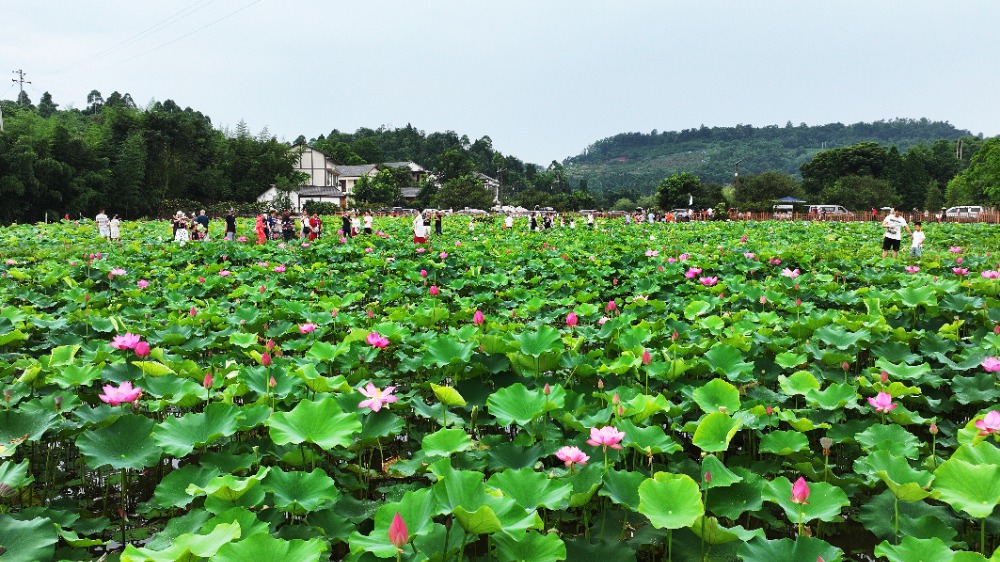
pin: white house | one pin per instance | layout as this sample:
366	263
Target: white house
492	184
320	186
348	176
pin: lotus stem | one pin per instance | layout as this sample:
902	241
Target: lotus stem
895	513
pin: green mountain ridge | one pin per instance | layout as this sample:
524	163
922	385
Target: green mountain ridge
636	162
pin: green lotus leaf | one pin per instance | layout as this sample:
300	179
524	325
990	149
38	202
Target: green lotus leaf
76	376
27	541
154	368
790	360
228	487
298	492
890	437
648	440
15	476
907	483
380	424
445	350
799	383
825	500
980	387
803	548
671	501
622	487
734	500
712	532
585	482
696	308
448	395
318	383
531	489
511	455
172	490
416	508
516	404
717	395
323	351
533	547
837	396
321	422
265	547
911	548
729	361
721	475
446	442
126	443
63	355
911	297
535	344
580	548
18	424
243	340
180	436
187	545
715	431
916	519
972	488
783	443
247	520
911	373
839	337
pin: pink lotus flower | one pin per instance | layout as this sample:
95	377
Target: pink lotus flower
955	249
398	533
265	359
646	357
990	274
123	394
434	290
141	349
423	273
683	257
11	262
800	491
224	273
305	244
369	250
142	283
458	243
743	239
912	269
127	341
478	318
572	456
991	365
602	320
774	261
790	273
443	255
606	436
117	271
343	240
280	268
652	253
241	239
693	272
572	319
709	281
749	255
960	270
193	312
958	261
307	327
611	306
201	279
421	250
671	259
989	424
208	381
882	403
377	398
374	339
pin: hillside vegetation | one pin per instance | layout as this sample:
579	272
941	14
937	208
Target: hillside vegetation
635	162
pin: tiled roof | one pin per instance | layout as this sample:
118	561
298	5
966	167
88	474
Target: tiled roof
355	171
319	191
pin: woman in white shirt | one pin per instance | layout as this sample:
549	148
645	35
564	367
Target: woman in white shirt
419	230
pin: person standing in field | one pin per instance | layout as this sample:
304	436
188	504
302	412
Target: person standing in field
103	225
368	222
894	225
260	229
419	229
231	225
917	245
114	229
438	218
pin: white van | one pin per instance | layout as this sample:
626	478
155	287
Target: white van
830	211
783	212
964	212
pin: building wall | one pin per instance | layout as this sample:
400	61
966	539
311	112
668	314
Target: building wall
318	166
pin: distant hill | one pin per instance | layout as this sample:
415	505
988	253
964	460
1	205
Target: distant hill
636	162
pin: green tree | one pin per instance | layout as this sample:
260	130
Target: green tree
826	168
46	108
383	189
760	191
677	190
860	193
981	180
461	192
934	199
453	164
624	204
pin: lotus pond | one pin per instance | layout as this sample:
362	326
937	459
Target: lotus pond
699	391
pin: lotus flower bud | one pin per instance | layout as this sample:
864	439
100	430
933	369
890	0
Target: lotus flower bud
769	410
269	345
934	428
265	359
996	329
646	357
674	336
193	312
371	313
547	390
272	383
884	377
207	383
616	399
434	290
7	395
845	365
708	476
398	534
141	349
58	400
600	385
621	410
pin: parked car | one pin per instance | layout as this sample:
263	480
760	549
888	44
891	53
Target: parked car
830	211
963	212
682	214
783	212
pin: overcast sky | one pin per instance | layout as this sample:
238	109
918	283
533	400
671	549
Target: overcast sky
542	78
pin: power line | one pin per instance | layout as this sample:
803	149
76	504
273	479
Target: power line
185	36
176	17
20	81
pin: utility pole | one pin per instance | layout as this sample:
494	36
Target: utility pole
20	81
